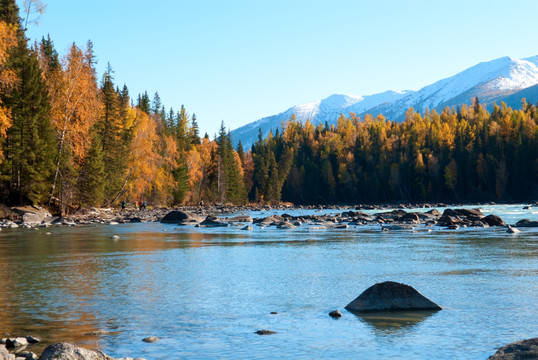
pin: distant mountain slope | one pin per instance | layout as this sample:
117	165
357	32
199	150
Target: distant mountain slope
503	79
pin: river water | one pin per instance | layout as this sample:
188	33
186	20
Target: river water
205	291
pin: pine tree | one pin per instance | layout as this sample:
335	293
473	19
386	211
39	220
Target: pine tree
114	136
143	103
194	131
92	175
30	140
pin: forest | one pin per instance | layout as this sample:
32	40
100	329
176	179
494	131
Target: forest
70	138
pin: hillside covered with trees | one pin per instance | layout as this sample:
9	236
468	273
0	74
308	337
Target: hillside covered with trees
71	138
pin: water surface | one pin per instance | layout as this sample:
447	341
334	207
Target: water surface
205	291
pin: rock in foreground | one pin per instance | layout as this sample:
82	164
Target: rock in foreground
391	296
526	349
65	351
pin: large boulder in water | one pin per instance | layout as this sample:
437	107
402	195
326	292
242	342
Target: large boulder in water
527	223
181	217
391	296
65	351
494	220
526	349
32	214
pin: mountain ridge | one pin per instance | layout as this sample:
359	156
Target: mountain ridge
490	81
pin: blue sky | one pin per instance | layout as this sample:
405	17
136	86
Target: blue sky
240	60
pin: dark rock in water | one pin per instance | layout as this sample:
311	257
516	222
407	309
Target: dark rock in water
97	332
335	314
494	220
512	230
410	218
32	339
447	220
285	225
135	220
247	228
16	342
65	351
181	217
527	223
270	220
27	355
265	332
213	221
392	215
239	218
391	296
150	339
520	350
470	213
433	212
273	313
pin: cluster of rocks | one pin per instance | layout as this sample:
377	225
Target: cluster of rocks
15	349
397	219
213	216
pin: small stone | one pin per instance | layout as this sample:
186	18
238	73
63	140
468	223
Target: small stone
97	332
150	339
27	355
247	228
115	237
32	339
265	332
16	342
335	314
273	313
512	230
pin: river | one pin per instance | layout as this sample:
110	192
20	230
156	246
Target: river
205	291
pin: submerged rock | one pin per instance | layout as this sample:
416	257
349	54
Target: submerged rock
512	230
391	296
335	314
265	332
526	349
66	351
150	339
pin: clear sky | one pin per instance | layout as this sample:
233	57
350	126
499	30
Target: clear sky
241	60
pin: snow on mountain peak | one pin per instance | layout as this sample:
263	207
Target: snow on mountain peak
498	77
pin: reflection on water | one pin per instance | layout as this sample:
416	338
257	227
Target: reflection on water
205	291
392	322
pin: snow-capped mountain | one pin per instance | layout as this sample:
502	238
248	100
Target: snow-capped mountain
491	81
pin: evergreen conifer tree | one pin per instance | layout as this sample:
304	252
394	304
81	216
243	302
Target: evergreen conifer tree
92	175
30	140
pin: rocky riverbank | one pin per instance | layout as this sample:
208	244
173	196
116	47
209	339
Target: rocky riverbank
16	349
214	216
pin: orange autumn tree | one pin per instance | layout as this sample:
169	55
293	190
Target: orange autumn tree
76	107
146	170
8	77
